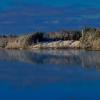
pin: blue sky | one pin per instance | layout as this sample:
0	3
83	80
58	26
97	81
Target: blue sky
20	16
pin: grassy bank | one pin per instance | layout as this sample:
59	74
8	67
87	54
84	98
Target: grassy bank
88	39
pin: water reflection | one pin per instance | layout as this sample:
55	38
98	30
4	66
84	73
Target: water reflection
83	58
50	74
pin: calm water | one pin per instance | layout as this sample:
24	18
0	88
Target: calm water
49	75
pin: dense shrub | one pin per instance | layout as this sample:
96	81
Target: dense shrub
91	39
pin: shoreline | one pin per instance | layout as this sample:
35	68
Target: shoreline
58	45
87	39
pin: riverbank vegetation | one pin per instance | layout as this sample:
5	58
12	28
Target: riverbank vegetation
88	38
91	39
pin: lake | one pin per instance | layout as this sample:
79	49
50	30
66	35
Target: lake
49	75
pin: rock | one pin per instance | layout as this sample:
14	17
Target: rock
75	44
59	44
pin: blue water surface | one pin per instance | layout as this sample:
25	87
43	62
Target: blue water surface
49	75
